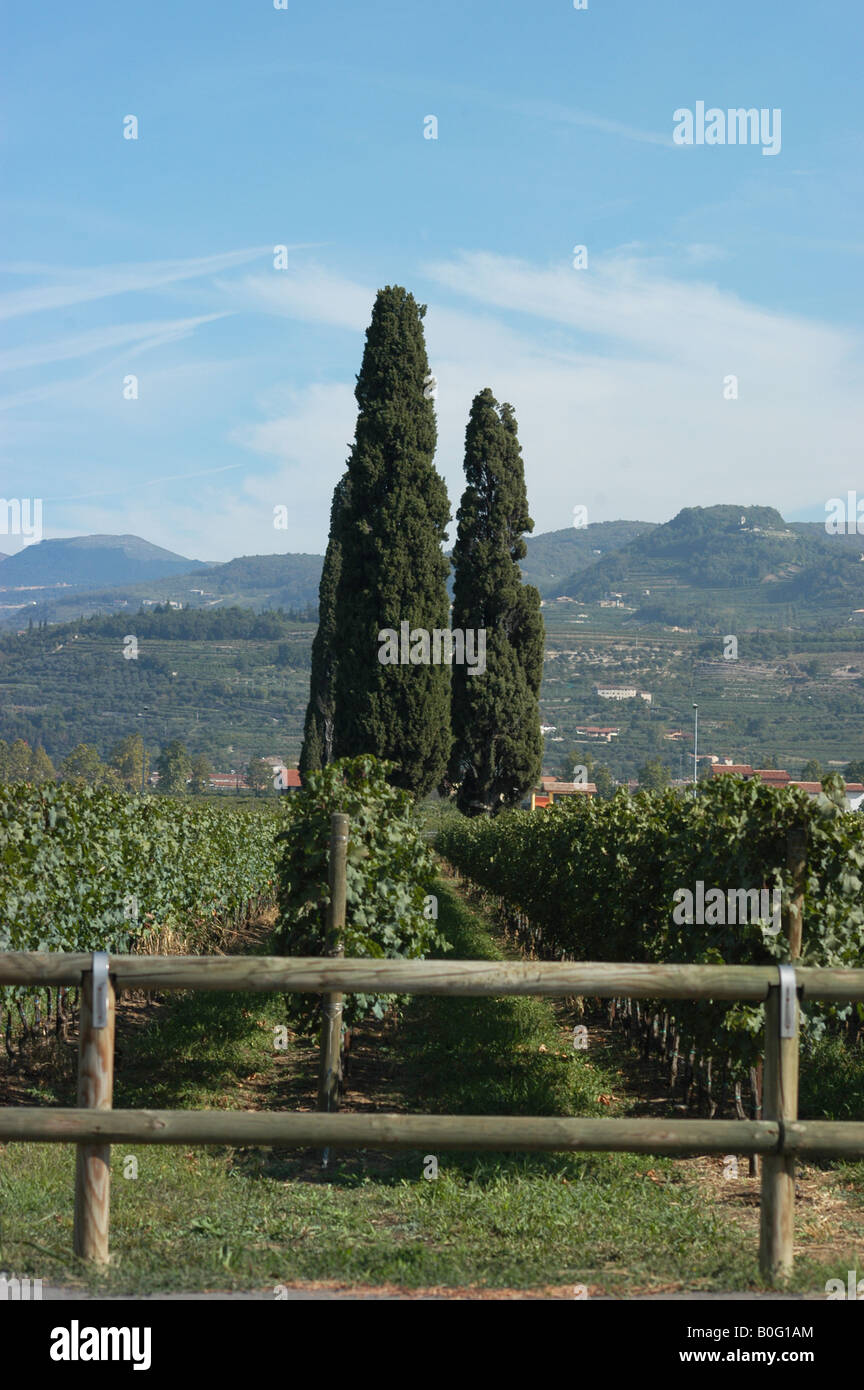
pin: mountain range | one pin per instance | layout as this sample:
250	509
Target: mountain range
92	565
706	567
92	560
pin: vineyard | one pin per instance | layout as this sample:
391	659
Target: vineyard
96	869
603	881
389	872
87	869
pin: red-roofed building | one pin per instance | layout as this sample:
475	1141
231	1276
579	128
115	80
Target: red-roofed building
854	792
287	779
778	777
228	781
551	790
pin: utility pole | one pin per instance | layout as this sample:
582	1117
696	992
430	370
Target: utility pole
695	747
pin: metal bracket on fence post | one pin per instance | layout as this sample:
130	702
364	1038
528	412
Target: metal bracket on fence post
788	989
99	968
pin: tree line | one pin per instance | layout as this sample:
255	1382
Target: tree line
127	767
161	621
440	725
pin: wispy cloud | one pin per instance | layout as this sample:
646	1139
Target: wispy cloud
77	286
623	298
616	375
145	335
589	120
308	292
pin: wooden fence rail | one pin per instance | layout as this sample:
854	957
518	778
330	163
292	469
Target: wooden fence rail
500	1133
322	975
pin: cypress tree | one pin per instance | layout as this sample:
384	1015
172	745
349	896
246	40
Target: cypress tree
497	745
317	750
393	569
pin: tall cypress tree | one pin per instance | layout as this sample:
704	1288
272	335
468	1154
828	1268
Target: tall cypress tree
497	745
393	569
317	750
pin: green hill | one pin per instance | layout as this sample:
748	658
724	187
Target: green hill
267	581
712	567
557	555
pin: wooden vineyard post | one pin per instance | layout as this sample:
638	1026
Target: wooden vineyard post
756	1109
95	1088
331	1004
796	862
780	1088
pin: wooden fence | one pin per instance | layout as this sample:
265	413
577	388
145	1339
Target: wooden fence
94	1126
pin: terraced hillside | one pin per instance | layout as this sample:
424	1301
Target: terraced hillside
236	690
232	681
792	696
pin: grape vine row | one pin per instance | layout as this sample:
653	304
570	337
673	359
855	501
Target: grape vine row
600	880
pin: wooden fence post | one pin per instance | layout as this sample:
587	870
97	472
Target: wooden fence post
95	1089
330	1074
779	1102
780	1090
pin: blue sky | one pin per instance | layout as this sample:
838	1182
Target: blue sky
304	127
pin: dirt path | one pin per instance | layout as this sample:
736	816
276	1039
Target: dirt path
316	1290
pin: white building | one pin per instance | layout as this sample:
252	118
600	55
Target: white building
622	692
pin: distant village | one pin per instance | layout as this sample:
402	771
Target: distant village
285	778
551	789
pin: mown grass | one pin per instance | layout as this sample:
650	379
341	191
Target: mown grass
199	1219
493	1056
